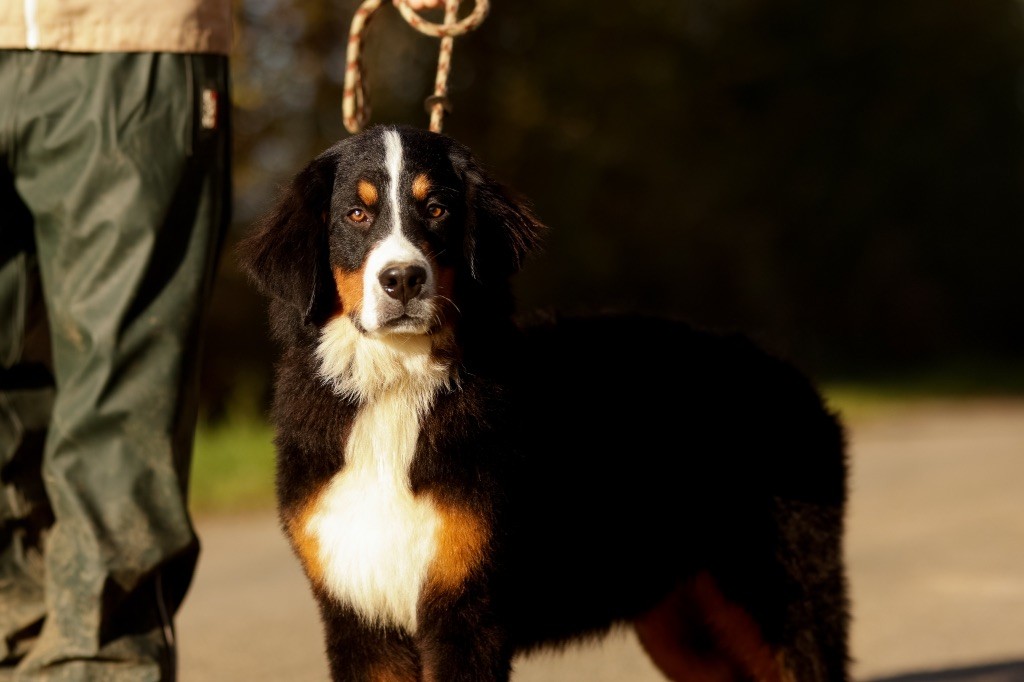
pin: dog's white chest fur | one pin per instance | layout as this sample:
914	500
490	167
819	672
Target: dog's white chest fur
375	539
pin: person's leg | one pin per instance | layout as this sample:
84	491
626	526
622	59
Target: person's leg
129	194
26	398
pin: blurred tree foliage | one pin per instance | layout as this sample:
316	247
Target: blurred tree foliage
843	180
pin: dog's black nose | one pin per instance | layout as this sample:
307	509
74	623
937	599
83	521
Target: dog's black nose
403	282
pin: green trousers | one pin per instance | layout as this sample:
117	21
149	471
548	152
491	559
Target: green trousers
114	199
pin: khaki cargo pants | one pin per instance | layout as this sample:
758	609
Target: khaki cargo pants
114	198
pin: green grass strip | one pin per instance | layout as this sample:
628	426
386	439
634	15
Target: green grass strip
233	466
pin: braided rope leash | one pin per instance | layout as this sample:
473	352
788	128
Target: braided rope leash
355	107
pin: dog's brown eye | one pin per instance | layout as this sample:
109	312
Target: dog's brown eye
358	215
436	210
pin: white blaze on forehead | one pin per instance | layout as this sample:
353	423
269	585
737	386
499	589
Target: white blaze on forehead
395	247
393	162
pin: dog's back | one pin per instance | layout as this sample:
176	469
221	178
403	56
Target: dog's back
655	459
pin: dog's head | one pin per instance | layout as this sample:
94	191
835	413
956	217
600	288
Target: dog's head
386	228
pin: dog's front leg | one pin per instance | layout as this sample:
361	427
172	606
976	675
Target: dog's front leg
358	652
460	640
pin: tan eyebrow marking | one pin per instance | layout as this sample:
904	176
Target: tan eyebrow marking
368	193
420	186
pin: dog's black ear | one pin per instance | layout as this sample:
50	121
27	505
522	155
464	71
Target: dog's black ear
286	254
501	229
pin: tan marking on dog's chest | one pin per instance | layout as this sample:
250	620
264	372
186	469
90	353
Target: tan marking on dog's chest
462	540
306	545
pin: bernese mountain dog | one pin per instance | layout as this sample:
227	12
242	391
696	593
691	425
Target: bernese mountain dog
462	485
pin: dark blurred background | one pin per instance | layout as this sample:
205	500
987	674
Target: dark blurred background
842	180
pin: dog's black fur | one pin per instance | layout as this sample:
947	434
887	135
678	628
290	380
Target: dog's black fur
587	471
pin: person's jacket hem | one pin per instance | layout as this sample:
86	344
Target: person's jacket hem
194	26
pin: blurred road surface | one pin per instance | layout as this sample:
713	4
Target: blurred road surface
935	550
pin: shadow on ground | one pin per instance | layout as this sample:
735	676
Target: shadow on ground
995	672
